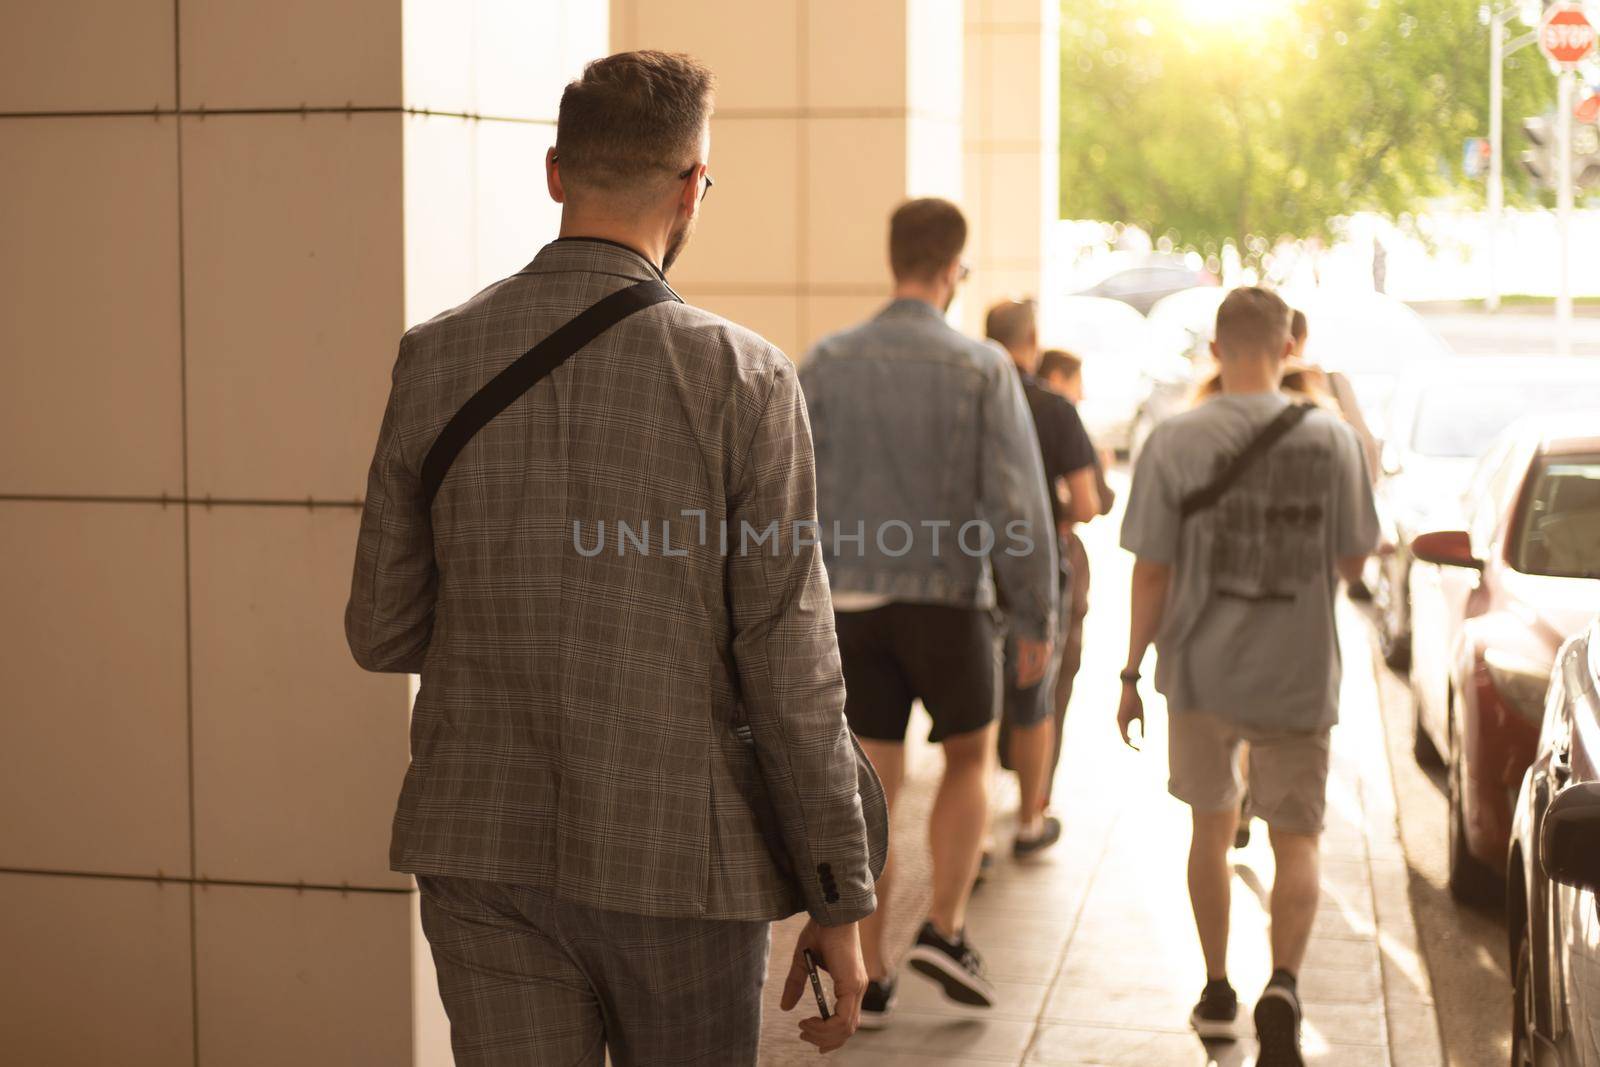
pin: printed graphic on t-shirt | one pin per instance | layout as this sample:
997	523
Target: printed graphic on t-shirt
1269	534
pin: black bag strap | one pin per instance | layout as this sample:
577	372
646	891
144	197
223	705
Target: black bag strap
1269	435
504	388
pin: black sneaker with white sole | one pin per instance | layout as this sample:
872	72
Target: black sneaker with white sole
877	1003
1278	1023
1049	833
953	965
1216	1016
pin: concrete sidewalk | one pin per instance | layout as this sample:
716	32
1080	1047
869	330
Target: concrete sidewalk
1093	946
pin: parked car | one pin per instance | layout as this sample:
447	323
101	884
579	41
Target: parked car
1491	604
1140	287
1444	416
1553	883
1120	358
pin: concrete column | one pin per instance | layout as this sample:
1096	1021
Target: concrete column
829	113
218	220
1012	140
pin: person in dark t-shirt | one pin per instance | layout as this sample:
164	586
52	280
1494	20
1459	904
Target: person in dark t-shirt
1029	733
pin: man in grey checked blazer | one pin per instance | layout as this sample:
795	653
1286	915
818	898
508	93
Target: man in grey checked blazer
597	727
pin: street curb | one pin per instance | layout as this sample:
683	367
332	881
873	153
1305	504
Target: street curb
1414	1037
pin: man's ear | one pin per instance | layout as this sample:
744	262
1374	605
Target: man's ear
1216	352
552	178
689	191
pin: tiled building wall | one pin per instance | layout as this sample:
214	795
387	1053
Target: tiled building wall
829	113
215	221
1012	135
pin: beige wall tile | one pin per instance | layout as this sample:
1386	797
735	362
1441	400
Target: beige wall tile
90	386
515	215
526	53
96	972
314	979
777	318
1018	12
498	58
934	58
934	159
441	157
284	53
856	54
1016	206
750	46
976	64
94	733
298	752
827	314
86	55
1016	90
436	47
295	299
748	230
855	178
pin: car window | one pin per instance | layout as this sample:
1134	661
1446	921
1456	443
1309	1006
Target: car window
1461	420
1490	486
1559	534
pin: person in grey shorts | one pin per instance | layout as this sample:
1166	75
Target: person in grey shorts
1237	591
624	764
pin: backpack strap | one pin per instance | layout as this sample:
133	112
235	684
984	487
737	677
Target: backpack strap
1269	435
533	365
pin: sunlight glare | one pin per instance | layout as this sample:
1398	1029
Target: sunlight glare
1221	12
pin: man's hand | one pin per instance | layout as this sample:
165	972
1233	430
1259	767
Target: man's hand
1033	661
1131	710
838	951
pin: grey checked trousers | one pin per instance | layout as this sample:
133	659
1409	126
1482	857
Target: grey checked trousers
530	980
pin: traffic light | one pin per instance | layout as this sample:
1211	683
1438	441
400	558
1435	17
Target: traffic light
1541	163
1540	160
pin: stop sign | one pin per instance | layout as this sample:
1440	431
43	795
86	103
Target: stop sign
1566	37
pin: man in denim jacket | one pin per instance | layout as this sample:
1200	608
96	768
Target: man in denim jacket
931	507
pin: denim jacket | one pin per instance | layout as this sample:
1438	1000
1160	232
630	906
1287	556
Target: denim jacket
930	487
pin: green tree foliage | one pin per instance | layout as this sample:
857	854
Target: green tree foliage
1177	118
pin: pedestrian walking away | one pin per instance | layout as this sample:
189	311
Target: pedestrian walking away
1244	514
1062	372
1029	727
628	752
930	497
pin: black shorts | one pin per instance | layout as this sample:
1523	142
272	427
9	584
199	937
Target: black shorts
947	657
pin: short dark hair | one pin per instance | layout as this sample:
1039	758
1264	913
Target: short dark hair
1252	321
1298	327
632	117
1053	361
925	237
1010	320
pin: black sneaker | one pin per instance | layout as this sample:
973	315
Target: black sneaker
876	1004
953	965
1049	834
1278	1023
1216	1016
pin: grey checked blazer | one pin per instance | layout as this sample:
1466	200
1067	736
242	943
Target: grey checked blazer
576	725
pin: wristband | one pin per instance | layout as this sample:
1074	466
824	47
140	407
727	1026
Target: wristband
1130	677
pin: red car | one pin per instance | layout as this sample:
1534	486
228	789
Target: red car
1490	610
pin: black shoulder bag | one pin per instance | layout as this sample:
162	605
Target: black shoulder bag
1208	495
530	368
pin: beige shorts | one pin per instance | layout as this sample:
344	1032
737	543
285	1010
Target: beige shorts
1288	772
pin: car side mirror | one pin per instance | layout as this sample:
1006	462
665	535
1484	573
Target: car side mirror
1448	548
1569	844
